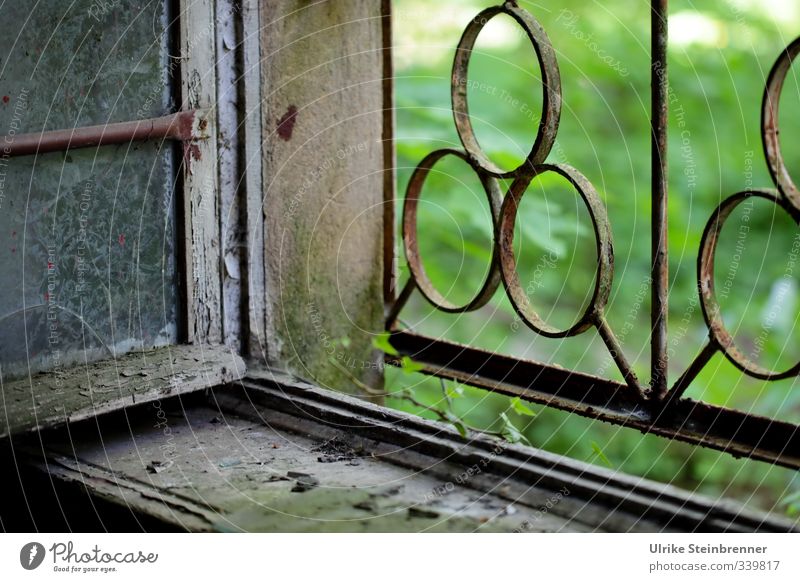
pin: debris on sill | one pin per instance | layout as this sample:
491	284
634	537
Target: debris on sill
419	512
158	466
303	481
335	451
229	462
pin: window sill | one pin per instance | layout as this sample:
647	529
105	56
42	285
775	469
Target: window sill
272	453
58	397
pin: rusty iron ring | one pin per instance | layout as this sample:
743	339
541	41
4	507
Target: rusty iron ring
770	128
605	252
551	91
410	242
720	336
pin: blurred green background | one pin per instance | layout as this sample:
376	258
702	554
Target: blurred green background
720	54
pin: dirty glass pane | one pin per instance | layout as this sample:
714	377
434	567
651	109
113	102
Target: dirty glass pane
87	237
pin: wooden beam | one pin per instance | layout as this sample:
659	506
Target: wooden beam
203	284
254	196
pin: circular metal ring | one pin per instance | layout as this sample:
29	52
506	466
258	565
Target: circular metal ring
551	89
708	298
605	252
770	124
423	282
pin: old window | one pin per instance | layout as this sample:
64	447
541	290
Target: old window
253	206
109	206
90	257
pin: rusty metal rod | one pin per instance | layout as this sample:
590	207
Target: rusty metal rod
182	126
390	161
697	365
401	301
615	349
660	266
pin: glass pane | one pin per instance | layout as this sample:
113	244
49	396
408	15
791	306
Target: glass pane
87	237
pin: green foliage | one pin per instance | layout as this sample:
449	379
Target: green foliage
382	343
521	408
792	504
510	432
409	366
597	453
454	390
442	410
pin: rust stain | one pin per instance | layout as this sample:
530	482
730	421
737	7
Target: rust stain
185	124
286	123
191	153
194	152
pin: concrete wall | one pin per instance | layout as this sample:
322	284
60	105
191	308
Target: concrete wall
323	163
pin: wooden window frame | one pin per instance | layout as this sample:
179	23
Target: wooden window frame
200	359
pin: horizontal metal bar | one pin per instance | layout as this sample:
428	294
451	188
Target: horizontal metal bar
182	126
734	432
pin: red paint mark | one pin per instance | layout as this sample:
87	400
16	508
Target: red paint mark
46	296
50	266
286	123
194	152
186	123
13	233
121	240
191	152
6	99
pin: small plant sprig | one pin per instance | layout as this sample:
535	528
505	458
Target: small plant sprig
451	391
791	503
597	453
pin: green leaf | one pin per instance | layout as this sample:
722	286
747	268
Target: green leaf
454	390
521	408
381	342
792	504
345	342
510	432
598	453
462	430
409	366
402	394
457	423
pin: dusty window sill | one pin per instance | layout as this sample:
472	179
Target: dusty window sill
272	453
58	397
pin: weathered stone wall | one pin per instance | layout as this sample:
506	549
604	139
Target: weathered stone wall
322	120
